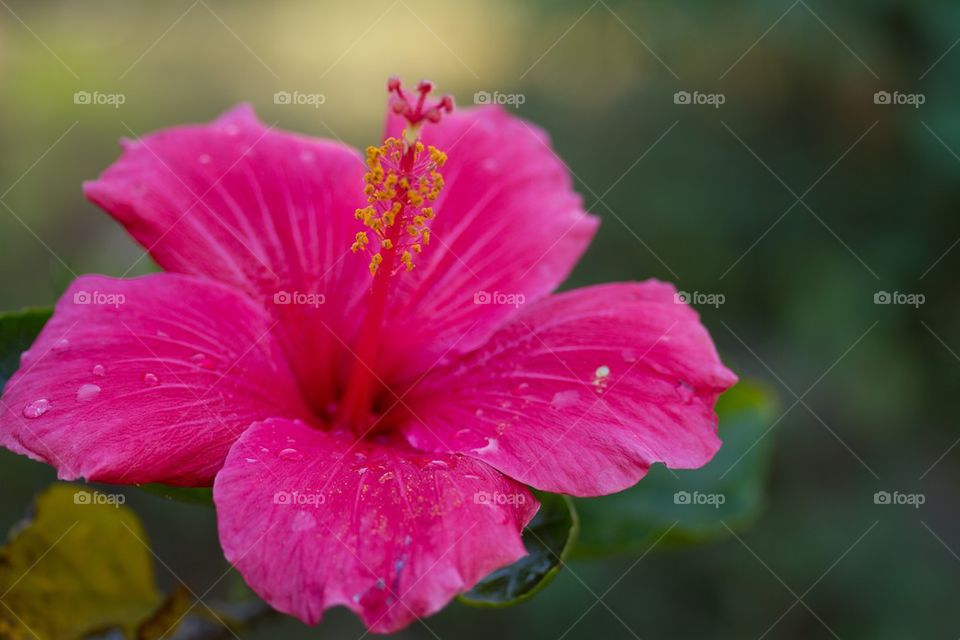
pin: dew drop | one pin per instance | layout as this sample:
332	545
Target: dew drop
150	380
251	460
201	360
629	355
303	521
290	454
684	390
99	370
36	408
231	129
87	392
204	158
387	477
61	344
520	389
564	399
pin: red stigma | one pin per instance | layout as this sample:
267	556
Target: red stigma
415	107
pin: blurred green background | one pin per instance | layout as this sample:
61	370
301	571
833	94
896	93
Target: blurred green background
797	200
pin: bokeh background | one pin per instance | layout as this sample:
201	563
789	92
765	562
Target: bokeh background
797	200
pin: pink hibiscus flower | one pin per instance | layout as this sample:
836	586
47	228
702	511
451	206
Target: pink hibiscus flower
364	359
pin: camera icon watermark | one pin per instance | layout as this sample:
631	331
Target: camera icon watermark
299	298
914	500
896	297
699	298
697	498
499	298
509	99
95	498
897	98
497	498
299	98
714	100
298	498
99	298
96	98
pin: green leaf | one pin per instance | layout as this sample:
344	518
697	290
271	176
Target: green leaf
79	566
690	505
18	330
200	495
548	538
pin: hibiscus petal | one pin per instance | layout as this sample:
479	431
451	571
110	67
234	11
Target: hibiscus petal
581	392
268	212
145	380
313	519
508	222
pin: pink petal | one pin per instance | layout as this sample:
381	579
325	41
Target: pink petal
581	393
312	520
508	222
145	380
265	211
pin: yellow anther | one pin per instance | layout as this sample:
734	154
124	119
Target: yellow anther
388	243
418	220
414	198
361	242
427	213
417	248
426	236
375	263
413	231
438	157
407	259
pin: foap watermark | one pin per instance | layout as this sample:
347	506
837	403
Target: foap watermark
96	498
99	298
697	498
699	298
898	297
901	499
298	498
497	498
699	98
508	99
500	298
897	98
299	98
98	98
299	298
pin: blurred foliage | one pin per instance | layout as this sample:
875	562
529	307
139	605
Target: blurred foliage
690	506
76	567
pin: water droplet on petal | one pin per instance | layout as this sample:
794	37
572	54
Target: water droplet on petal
61	344
204	158
564	399
290	454
150	380
491	446
685	390
303	521
251	460
520	389
87	392
36	408
201	360
99	370
629	355
387	477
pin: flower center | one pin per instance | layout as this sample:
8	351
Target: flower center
402	180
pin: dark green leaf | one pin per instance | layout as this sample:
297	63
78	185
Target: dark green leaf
201	495
548	538
690	505
18	330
